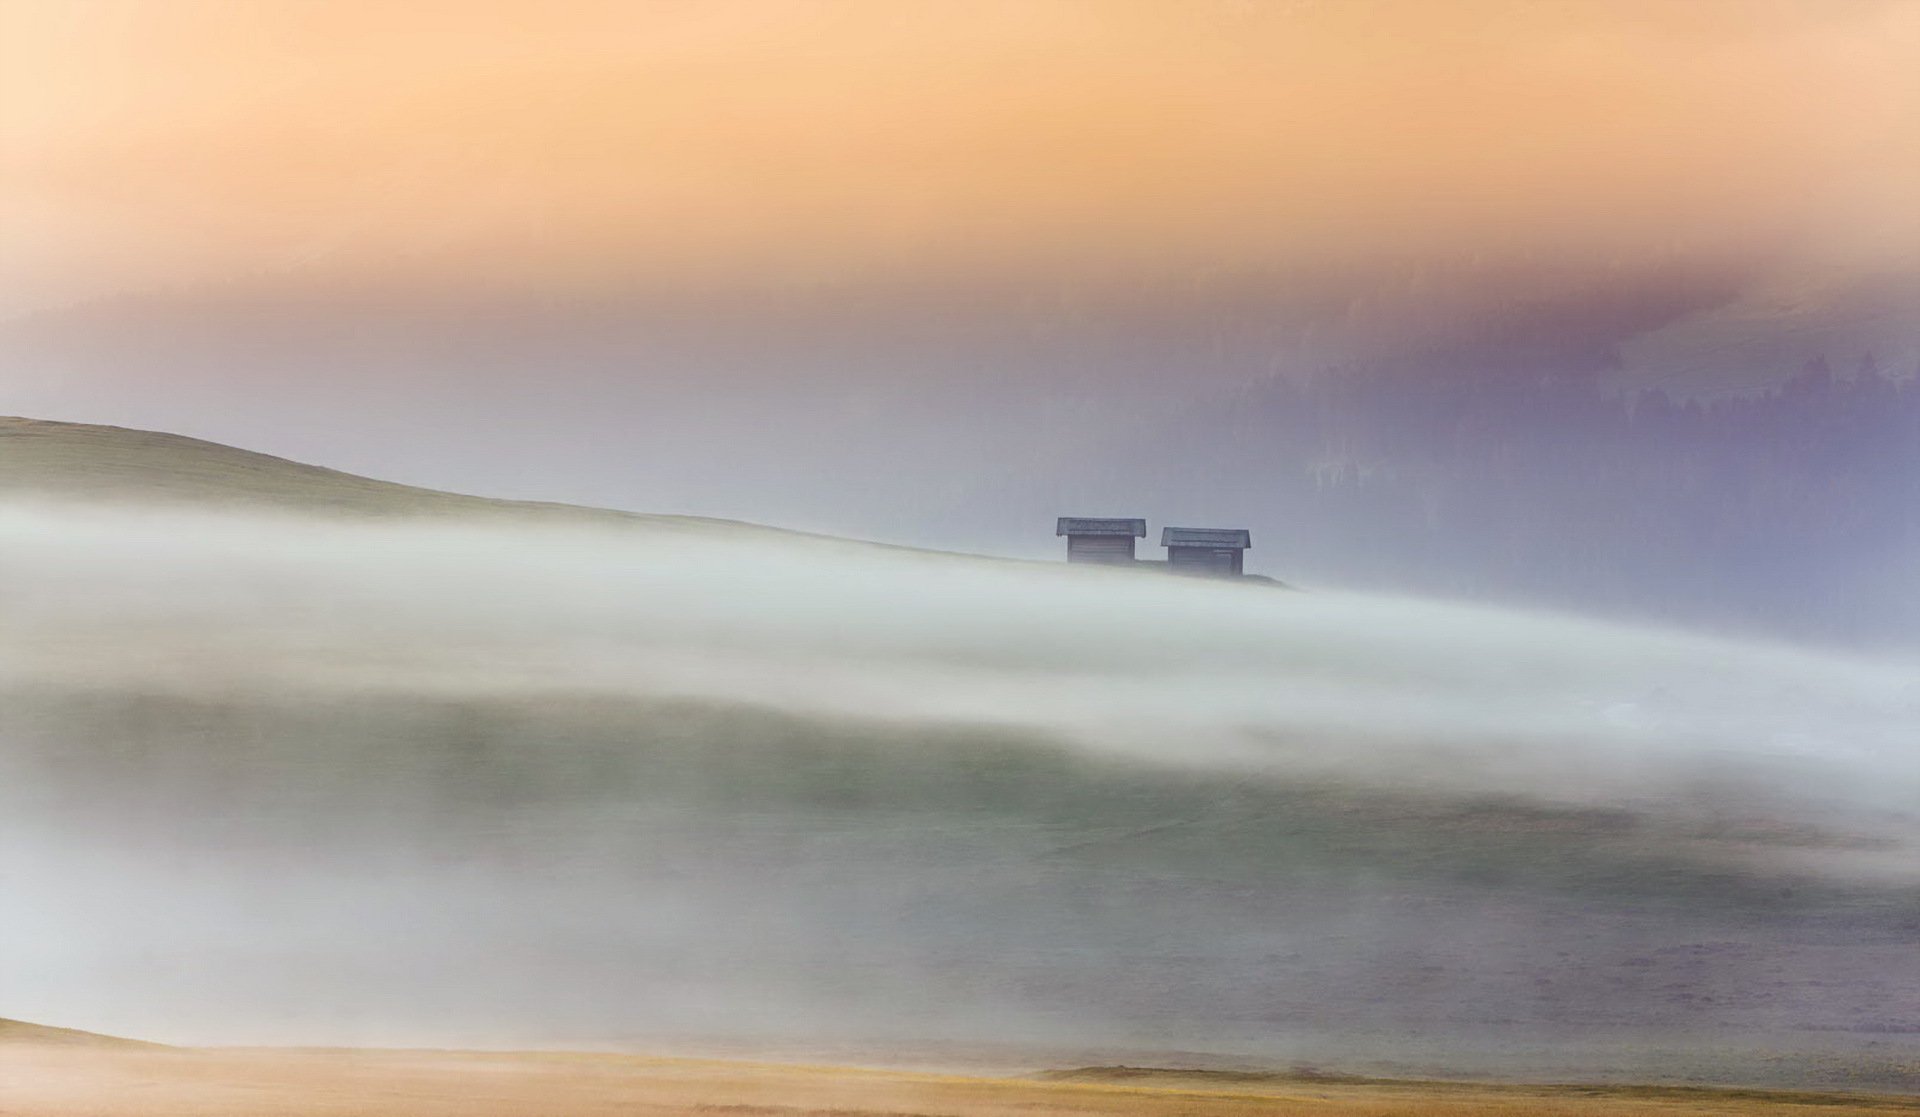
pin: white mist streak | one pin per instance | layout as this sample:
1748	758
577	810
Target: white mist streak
1173	671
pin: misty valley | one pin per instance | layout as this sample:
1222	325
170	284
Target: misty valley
411	774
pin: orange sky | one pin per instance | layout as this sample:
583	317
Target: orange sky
152	142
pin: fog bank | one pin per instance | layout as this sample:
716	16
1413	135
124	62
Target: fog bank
280	779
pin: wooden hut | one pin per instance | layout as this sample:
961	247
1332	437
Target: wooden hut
1215	551
1101	541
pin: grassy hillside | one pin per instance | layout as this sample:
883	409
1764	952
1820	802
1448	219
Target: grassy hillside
213	1083
18	1031
69	461
873	879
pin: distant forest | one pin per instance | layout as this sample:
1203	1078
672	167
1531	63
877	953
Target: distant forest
1794	511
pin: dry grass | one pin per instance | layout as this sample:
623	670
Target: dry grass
66	462
40	1035
69	1081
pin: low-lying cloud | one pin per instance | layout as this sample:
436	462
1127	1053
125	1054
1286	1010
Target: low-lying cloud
284	778
1174	671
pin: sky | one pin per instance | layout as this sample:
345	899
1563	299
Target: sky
570	145
934	273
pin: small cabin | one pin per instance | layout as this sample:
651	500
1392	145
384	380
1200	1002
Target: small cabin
1100	541
1214	551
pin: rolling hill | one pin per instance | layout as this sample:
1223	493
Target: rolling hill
21	1032
514	786
80	461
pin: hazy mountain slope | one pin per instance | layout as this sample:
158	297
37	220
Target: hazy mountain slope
68	461
1775	328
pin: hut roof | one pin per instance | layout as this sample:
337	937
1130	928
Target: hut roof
1238	538
1080	525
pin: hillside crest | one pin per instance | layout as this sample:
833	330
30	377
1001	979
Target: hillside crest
120	466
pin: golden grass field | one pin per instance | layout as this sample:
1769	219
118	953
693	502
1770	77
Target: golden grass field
86	1080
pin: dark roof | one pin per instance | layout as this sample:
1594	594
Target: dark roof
1238	538
1080	525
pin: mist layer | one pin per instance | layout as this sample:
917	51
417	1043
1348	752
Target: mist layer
274	778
